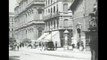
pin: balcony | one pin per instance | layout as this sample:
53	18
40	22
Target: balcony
63	27
57	15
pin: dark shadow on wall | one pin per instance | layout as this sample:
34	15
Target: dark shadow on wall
75	4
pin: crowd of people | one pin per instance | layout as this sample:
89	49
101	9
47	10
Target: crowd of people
43	45
15	46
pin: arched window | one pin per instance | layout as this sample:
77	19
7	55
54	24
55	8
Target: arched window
65	7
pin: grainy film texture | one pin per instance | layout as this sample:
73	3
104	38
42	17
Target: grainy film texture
53	30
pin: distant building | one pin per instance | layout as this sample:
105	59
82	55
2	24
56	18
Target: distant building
11	26
28	19
57	18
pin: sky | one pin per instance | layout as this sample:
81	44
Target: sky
12	4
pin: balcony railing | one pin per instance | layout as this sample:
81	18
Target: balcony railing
50	16
58	28
57	15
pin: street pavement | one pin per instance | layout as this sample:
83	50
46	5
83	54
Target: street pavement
36	54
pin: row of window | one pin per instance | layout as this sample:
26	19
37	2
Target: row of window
30	11
24	16
52	10
54	23
55	9
49	2
24	3
28	31
49	24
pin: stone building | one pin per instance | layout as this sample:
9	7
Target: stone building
11	22
28	19
57	18
81	10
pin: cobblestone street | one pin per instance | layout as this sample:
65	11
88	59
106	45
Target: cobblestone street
32	54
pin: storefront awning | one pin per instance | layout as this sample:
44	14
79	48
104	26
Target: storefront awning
43	36
50	36
54	36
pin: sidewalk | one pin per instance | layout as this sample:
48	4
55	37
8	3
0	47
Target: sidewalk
61	52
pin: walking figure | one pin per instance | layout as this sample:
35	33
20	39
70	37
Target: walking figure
18	45
56	45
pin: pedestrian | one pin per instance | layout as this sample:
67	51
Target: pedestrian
20	45
17	46
73	46
56	45
78	45
82	46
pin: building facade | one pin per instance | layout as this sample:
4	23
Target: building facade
11	24
28	19
81	10
57	18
